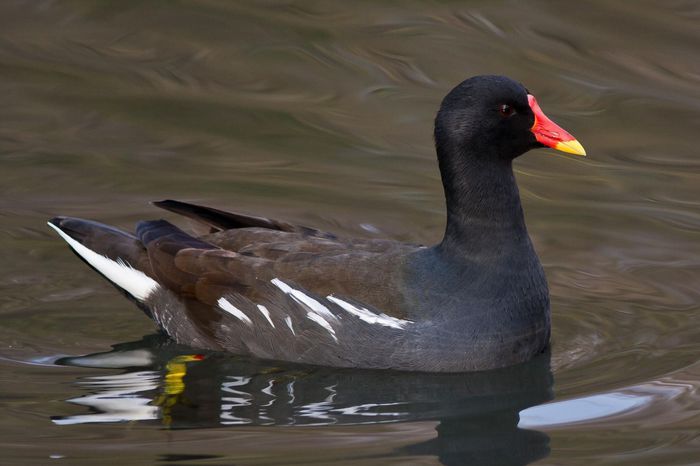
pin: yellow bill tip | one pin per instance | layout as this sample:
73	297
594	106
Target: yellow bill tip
571	147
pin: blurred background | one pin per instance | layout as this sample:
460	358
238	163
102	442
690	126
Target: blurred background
321	113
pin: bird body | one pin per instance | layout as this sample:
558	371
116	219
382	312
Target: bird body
269	289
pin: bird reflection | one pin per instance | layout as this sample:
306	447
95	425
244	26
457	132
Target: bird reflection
162	382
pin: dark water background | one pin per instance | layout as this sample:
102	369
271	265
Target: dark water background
321	113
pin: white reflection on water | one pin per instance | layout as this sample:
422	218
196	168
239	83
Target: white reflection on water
599	406
581	409
241	400
116	399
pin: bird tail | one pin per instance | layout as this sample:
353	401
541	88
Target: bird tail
117	255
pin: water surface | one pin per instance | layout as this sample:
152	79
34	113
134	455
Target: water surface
321	114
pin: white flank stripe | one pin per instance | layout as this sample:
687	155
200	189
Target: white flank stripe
136	283
369	316
288	320
282	286
323	323
303	299
234	311
263	310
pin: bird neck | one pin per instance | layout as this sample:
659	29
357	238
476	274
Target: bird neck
484	213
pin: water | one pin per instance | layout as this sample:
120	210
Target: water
321	114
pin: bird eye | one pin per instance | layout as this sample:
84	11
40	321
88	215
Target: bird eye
506	110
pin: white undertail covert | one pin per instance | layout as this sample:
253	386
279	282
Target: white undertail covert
136	283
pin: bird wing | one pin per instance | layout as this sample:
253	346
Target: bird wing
286	294
243	246
219	220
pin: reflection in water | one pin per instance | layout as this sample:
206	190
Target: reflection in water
117	398
582	409
478	412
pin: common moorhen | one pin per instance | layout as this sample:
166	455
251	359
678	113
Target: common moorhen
270	289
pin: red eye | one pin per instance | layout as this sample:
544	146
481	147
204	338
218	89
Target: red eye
506	110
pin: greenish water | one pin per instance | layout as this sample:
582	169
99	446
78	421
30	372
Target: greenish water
321	113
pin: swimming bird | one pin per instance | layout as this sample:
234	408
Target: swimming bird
273	290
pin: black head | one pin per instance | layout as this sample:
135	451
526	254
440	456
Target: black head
483	124
486	116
